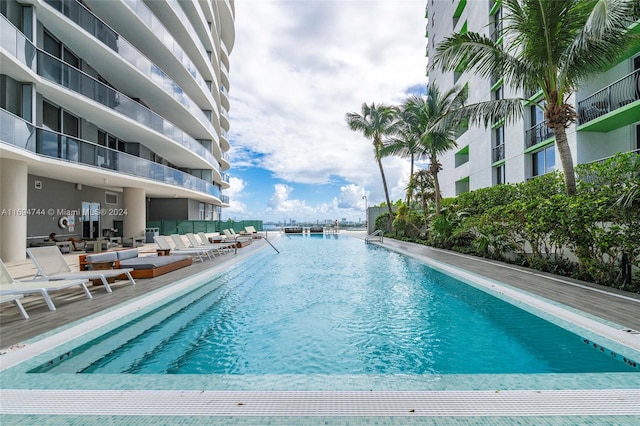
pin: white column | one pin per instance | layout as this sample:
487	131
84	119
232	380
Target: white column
134	200
13	206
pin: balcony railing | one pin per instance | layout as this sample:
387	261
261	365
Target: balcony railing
58	72
616	95
80	15
17	132
538	133
157	27
498	153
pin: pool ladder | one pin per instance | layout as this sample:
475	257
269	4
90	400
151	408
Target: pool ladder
375	234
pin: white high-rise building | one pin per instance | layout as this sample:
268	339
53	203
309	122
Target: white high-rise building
608	109
112	113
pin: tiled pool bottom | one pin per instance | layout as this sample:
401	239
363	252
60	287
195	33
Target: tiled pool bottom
602	398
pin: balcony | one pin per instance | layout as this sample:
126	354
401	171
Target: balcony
58	72
497	153
84	18
17	132
536	134
615	106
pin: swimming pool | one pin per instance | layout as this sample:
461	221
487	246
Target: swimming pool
331	305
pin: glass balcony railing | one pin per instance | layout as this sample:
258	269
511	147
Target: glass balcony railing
56	71
224	199
80	15
536	134
17	132
186	23
157	27
616	95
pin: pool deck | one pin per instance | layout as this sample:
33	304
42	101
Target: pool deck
608	405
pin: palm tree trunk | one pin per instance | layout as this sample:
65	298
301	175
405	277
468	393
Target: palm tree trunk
436	185
410	179
434	168
386	194
566	160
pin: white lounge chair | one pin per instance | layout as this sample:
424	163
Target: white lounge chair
15	298
252	231
52	265
10	287
231	235
163	244
220	248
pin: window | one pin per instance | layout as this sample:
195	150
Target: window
496	25
499	175
110	198
498	93
537	115
201	211
543	161
498	149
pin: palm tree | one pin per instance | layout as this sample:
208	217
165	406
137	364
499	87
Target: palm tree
422	189
431	119
553	45
405	143
375	122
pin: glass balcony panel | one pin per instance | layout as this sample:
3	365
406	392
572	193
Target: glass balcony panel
17	132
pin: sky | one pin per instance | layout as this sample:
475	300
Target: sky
297	67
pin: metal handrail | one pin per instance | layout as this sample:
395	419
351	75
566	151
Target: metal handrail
378	233
616	95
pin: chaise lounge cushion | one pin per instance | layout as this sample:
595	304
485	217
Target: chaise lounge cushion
102	258
130	259
151	262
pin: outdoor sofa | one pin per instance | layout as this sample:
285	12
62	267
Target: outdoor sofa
143	267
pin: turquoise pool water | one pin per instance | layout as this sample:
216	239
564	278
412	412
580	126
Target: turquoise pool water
333	305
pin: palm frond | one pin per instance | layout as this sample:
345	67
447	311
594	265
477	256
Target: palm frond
482	113
602	40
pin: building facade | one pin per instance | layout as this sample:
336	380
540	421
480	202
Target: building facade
112	113
608	109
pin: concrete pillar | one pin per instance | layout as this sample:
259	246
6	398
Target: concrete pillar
13	209
134	201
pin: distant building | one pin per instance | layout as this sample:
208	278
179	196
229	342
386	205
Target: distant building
113	111
608	109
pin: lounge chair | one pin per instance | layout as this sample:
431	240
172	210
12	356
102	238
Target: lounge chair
250	230
220	248
232	236
163	243
15	298
52	265
239	237
10	287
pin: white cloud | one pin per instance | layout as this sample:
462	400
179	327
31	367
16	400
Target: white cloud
235	193
300	66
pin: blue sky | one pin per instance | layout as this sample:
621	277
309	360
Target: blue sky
297	67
